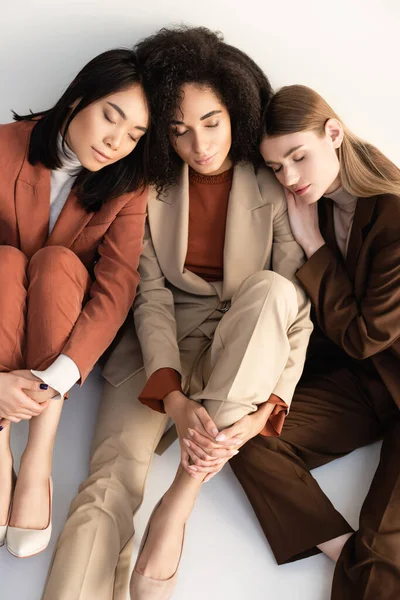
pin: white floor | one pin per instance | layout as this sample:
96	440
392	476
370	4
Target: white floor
226	556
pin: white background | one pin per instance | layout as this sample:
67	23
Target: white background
348	50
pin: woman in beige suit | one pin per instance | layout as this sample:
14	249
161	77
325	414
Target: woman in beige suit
221	325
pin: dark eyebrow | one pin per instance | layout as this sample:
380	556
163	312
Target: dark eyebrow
291	151
118	109
210	114
123	115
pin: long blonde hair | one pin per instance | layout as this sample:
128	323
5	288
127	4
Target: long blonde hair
364	170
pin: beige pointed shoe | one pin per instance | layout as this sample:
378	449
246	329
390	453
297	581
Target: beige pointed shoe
23	543
3	528
146	588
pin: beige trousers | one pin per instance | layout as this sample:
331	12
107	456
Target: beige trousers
230	355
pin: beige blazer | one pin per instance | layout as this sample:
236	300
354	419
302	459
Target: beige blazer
171	301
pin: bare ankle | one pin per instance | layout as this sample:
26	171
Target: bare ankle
32	462
333	548
6	459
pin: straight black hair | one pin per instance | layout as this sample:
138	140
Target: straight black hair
106	74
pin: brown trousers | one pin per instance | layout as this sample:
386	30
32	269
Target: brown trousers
331	415
40	301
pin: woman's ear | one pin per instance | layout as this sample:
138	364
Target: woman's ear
75	104
334	131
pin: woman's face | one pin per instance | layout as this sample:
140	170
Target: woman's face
306	163
109	129
201	131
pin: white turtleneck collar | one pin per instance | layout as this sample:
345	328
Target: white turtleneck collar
69	161
62	180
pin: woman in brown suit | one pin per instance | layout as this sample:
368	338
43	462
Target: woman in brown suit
72	211
344	209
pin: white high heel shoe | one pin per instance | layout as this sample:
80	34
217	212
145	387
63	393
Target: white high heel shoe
23	543
3	528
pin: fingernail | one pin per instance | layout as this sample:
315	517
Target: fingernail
214	431
236	452
185	441
1	427
192	467
44	386
219	460
191	432
237	442
221	437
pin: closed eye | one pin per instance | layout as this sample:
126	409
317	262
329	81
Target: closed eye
108	118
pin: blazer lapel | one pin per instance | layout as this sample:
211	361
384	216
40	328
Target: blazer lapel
71	221
326	223
32	206
362	223
246	242
169	227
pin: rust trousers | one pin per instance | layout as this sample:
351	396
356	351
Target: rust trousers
331	415
40	301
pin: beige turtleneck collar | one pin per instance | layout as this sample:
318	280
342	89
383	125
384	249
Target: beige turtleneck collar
344	207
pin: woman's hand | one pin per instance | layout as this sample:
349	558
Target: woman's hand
192	419
304	223
245	429
15	404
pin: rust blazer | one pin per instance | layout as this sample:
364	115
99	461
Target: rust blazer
357	300
108	242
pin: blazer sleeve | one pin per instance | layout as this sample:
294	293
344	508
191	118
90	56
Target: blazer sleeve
114	287
365	326
154	314
287	258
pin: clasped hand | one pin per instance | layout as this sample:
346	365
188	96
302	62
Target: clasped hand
204	449
21	397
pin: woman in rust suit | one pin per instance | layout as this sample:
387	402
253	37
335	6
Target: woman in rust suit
72	211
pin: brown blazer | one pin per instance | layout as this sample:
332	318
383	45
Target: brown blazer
172	301
357	301
108	242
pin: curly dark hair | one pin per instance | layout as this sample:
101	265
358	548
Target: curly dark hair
176	56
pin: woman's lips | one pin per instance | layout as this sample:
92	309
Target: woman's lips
205	161
100	156
301	191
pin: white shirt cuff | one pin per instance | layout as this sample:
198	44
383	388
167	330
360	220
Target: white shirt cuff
61	375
